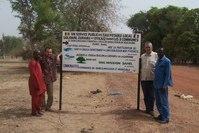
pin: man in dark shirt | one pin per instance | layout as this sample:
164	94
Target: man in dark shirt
48	64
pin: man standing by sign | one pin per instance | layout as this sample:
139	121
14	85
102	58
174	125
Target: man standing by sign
48	64
148	60
163	79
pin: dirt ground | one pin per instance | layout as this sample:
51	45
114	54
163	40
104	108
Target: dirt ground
111	111
186	79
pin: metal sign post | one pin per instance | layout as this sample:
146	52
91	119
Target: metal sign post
138	86
61	78
139	78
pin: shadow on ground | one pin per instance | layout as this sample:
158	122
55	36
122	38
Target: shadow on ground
15	113
127	114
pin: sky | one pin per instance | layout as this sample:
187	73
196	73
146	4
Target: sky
9	23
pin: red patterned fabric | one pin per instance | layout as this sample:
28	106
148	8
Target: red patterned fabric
37	86
36	82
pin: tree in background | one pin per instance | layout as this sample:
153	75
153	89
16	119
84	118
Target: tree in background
10	45
187	33
156	23
35	16
177	29
42	21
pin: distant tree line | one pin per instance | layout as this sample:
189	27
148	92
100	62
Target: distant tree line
174	28
11	46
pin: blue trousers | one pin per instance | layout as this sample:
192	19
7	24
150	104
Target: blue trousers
162	103
149	97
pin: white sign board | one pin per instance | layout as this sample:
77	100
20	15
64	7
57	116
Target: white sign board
100	52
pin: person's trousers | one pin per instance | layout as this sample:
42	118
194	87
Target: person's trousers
36	102
49	95
149	97
162	102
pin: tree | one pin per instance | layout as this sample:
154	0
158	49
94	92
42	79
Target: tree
27	16
156	23
44	19
187	31
139	22
170	46
177	29
11	45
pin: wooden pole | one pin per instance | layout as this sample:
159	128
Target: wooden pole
138	86
139	78
60	91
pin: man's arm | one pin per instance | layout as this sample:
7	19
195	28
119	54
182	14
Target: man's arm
167	75
58	58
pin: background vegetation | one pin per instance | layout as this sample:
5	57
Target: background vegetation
42	23
174	28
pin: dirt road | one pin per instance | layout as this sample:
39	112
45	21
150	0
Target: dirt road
113	110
